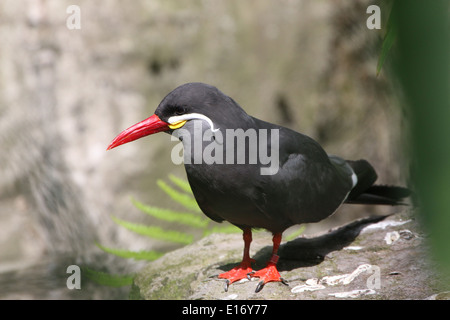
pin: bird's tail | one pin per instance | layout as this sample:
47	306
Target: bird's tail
366	192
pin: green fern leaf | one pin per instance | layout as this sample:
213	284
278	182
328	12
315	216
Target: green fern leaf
172	216
180	183
389	39
106	279
155	232
182	198
222	229
137	255
296	233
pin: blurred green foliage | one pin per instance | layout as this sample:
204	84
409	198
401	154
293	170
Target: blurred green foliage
389	39
423	67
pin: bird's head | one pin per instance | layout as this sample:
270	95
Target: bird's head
188	102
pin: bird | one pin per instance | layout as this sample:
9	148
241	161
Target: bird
235	178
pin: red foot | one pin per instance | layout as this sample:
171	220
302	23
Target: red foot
237	273
268	274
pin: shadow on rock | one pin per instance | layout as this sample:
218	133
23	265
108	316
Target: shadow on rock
307	252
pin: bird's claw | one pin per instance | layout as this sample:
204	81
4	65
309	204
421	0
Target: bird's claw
237	273
268	274
226	285
260	286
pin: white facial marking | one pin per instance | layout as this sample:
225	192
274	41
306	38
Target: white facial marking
354	179
190	116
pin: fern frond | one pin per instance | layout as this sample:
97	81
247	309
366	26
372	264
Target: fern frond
389	39
172	216
296	233
106	279
182	198
222	229
180	183
137	255
155	232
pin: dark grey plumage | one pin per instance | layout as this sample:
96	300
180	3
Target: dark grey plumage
308	187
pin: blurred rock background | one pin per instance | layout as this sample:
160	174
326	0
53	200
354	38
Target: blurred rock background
65	94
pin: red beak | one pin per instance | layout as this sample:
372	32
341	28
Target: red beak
144	128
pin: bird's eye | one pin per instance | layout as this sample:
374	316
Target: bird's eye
179	111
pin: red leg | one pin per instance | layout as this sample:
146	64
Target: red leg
270	272
244	268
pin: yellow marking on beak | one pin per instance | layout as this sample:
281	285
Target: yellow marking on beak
177	125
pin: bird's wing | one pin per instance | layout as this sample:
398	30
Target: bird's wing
344	168
309	185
